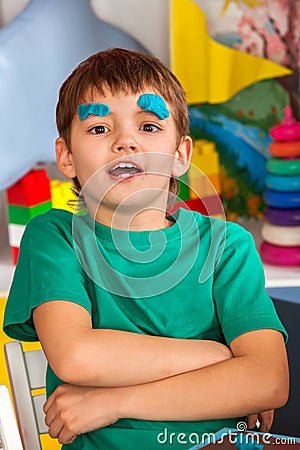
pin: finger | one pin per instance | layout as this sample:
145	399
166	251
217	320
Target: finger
251	421
49	402
266	420
50	416
55	428
66	437
61	389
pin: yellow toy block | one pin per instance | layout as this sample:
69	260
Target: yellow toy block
61	194
205	186
205	158
204	173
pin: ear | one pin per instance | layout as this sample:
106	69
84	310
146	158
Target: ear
183	156
64	158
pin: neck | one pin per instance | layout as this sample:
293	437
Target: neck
127	219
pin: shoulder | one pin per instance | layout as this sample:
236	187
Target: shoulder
53	218
228	232
44	228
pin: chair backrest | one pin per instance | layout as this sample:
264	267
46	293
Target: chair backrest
27	372
9	433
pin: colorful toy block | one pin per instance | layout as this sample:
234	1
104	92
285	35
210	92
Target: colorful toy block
30	190
15	233
209	206
201	187
27	198
61	193
184	192
205	157
32	195
15	254
21	215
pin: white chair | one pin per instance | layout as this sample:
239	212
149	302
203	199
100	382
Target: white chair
9	433
27	372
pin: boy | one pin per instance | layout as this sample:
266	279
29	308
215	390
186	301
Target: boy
144	347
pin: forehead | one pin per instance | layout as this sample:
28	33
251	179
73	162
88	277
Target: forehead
146	99
94	92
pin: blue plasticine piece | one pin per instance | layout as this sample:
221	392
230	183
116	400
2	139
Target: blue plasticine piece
97	109
154	103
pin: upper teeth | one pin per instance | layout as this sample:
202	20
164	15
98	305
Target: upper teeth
123	165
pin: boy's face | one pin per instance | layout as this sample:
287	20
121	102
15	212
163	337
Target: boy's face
124	157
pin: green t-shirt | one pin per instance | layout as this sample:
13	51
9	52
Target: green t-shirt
201	278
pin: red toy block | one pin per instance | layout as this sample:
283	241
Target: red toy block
32	189
15	254
208	206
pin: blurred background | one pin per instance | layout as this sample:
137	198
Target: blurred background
239	64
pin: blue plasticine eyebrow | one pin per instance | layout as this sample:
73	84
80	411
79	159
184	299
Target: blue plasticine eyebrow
154	103
97	109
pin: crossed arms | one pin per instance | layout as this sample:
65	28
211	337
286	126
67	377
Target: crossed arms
116	374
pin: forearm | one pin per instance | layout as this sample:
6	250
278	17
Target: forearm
81	355
232	388
255	379
117	358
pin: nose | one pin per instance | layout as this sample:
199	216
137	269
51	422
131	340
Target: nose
124	141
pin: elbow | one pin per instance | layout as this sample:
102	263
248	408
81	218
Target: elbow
278	392
281	394
69	365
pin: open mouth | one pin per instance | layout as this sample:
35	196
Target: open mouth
124	170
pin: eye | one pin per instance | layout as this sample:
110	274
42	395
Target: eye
98	129
149	128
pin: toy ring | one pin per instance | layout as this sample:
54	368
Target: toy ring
283	183
280	256
285	149
279	235
282	199
279	216
284	166
288	130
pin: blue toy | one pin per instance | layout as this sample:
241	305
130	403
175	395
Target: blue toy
97	109
283	183
37	51
278	199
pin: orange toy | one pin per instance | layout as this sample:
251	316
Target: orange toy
282	149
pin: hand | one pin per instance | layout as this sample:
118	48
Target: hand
265	419
73	410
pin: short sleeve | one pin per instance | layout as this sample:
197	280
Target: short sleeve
242	303
47	269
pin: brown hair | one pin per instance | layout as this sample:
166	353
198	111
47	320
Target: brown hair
120	70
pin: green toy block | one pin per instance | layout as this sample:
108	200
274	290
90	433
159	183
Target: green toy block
21	214
184	193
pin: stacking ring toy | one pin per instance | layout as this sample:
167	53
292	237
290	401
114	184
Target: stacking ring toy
280	256
279	235
288	130
285	149
283	183
282	199
284	166
279	216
